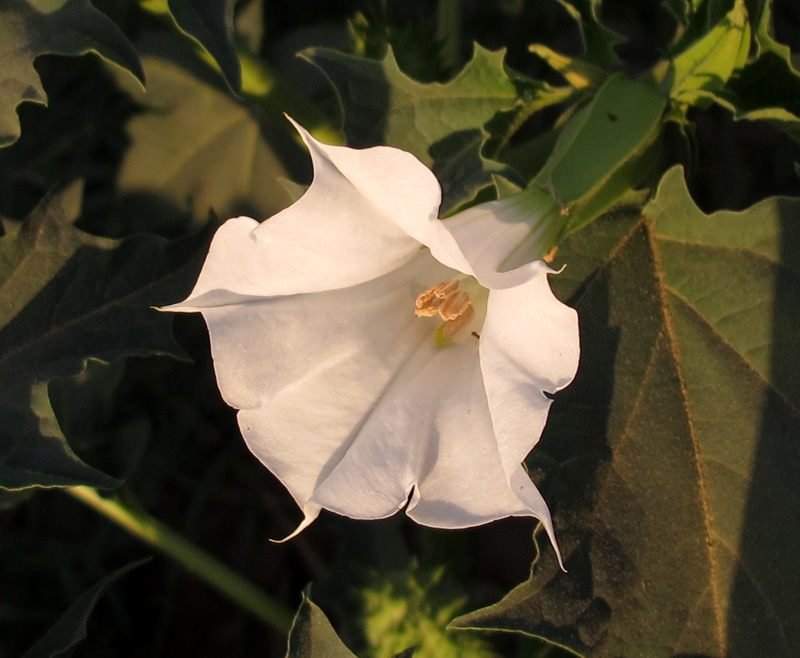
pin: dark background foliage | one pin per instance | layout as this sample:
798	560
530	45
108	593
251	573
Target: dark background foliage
159	423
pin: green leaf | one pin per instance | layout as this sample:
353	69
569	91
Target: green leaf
767	89
312	635
676	495
195	149
70	629
617	127
67	297
760	12
29	28
576	72
708	63
439	123
697	18
210	23
598	40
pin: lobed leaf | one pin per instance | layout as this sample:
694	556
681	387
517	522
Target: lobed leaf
767	87
30	28
67	297
439	123
678	440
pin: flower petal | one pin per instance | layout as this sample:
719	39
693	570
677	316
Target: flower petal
306	370
497	237
529	345
345	230
430	430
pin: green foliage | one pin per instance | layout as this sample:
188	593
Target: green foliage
598	40
30	28
194	150
670	463
312	635
442	124
70	629
676	495
708	63
210	22
598	153
67	297
411	608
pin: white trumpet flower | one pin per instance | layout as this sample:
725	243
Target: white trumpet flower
378	355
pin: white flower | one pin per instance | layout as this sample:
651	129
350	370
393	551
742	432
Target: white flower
362	383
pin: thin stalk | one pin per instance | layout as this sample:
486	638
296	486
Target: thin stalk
191	557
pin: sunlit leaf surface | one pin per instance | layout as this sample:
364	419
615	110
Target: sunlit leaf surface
195	149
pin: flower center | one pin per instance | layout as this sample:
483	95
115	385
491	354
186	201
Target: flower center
448	302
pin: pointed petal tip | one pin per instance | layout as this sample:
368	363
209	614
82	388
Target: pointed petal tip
305	135
177	307
311	513
551	535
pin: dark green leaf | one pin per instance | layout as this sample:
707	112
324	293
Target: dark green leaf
697	18
70	629
195	149
598	40
767	89
312	635
67	297
29	28
439	123
210	23
677	495
760	13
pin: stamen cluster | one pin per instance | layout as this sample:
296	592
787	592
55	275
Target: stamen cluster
451	304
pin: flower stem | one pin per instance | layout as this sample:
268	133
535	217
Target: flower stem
191	557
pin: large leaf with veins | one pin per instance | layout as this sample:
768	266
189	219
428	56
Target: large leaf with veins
677	493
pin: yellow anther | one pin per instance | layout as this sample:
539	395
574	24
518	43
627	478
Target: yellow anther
454	305
452	327
451	304
445	289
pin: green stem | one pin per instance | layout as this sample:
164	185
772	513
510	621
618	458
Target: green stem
192	558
